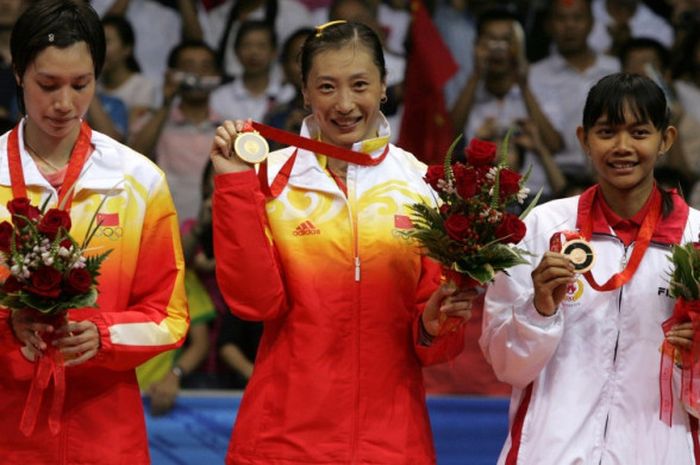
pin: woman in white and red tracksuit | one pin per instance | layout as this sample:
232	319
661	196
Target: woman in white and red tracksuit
58	50
584	363
349	305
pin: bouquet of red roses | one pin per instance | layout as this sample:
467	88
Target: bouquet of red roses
471	233
48	270
684	286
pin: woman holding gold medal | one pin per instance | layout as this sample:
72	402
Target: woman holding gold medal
578	333
312	246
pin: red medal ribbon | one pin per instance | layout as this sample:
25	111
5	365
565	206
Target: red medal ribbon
78	155
50	365
683	312
646	231
316	146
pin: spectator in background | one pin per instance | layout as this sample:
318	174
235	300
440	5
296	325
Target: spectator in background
220	26
649	58
237	345
255	91
122	77
9	12
289	115
497	95
617	21
158	28
561	81
177	135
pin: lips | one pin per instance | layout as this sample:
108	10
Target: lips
347	123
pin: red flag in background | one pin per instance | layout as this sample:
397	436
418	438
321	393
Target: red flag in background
426	130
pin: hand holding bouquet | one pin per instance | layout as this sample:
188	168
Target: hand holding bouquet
471	232
49	273
680	346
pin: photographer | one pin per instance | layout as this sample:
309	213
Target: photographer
178	134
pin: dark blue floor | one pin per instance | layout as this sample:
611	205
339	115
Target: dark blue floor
467	430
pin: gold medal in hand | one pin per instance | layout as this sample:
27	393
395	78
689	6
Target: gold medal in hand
251	147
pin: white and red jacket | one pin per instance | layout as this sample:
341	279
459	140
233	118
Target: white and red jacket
586	380
142	311
340	290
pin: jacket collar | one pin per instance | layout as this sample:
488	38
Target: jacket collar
669	229
103	165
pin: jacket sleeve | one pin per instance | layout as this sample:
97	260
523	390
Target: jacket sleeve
156	317
517	340
248	269
442	348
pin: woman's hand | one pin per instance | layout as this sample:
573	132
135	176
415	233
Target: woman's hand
29	330
448	301
222	153
681	335
163	394
79	341
550	279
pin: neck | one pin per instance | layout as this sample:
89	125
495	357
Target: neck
195	112
256	83
581	60
339	167
55	151
499	86
627	203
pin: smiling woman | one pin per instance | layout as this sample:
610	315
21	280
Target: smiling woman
58	398
345	300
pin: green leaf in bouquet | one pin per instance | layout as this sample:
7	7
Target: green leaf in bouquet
532	204
483	273
505	145
449	174
684	282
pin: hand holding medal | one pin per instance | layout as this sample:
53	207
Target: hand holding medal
237	147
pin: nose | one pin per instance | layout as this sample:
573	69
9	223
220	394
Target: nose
623	142
62	100
345	102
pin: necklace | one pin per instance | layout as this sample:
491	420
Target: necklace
36	154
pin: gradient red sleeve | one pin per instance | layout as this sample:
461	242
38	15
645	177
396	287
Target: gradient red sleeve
248	270
156	317
447	346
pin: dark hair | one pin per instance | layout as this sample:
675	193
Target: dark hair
610	95
234	15
641	95
287	46
126	35
336	36
174	54
644	43
496	13
255	25
58	23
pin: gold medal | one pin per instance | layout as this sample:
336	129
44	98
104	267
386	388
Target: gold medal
251	147
580	253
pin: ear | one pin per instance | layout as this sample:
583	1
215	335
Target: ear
667	139
581	135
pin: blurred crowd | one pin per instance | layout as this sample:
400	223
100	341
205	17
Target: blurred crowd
175	69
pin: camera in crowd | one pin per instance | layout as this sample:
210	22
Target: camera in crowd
189	81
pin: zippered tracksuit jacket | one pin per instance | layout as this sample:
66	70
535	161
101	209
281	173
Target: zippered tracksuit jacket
142	311
586	380
340	290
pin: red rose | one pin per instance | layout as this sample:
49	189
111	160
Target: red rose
509	182
480	152
457	226
22	207
511	230
6	232
46	282
78	281
11	285
434	174
54	220
465	181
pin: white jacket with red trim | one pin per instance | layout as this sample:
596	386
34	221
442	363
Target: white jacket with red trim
142	311
586	380
337	377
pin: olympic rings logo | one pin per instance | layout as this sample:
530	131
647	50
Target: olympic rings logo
111	233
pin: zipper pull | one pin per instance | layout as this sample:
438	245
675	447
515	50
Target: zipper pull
623	260
357	269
